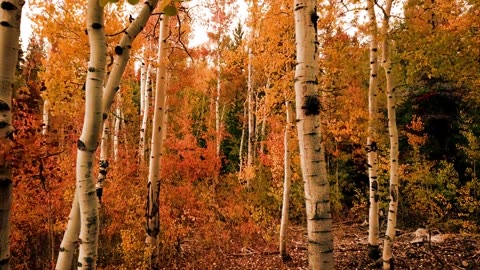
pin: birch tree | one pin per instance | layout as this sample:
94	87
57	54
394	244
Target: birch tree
393	134
317	190
372	148
70	237
87	143
122	56
250	120
116	127
153	202
146	107
286	186
10	16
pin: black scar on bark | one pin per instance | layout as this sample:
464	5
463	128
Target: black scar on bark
118	50
8	6
4	23
105	116
394	194
375	185
314	18
5	182
311	105
4	106
373	252
96	25
81	146
372	147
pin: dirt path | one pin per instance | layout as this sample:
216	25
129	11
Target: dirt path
445	251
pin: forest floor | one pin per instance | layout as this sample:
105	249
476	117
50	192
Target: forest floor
443	251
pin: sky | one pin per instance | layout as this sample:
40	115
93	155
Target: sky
199	13
199	35
25	26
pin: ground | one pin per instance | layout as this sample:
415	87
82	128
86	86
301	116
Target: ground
443	251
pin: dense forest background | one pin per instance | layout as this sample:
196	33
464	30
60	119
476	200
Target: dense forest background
230	197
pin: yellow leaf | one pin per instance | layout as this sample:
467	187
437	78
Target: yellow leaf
170	10
164	3
102	3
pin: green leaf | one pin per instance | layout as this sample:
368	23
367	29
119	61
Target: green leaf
113	1
170	10
102	3
133	2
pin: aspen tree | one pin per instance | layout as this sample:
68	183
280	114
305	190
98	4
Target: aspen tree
10	16
317	190
103	162
98	103
116	128
87	143
286	186
45	117
70	237
242	139
372	148
251	129
144	123
143	79
393	134
112	86
218	135
153	202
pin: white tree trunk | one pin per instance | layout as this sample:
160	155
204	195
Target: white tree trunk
116	128
70	238
217	105
242	139
372	148
251	129
286	186
122	51
10	15
103	163
143	127
87	143
143	80
45	116
317	190
153	201
392	130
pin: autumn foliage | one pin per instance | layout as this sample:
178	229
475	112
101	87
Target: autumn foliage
207	212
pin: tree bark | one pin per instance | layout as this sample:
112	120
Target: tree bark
143	127
286	187
70	238
45	120
116	128
251	128
87	143
153	200
317	190
372	146
122	51
103	163
393	133
10	16
242	139
217	105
